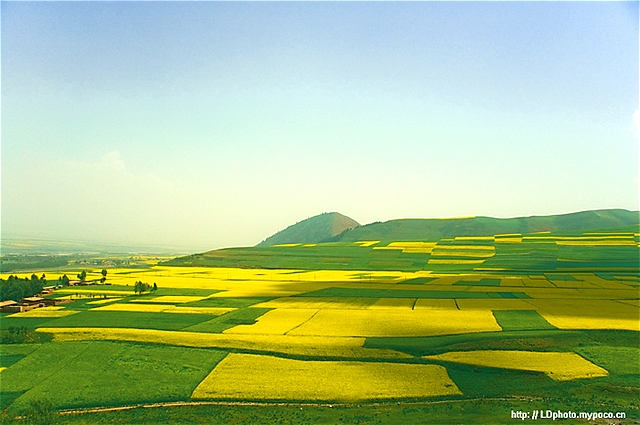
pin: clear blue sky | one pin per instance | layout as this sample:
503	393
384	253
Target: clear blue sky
207	124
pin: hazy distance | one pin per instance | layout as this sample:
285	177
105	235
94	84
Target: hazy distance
212	124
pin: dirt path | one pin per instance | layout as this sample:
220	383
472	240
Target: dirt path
280	404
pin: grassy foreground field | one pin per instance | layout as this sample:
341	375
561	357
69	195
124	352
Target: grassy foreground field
534	323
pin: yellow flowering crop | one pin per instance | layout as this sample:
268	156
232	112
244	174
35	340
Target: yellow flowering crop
366	243
104	301
588	314
89	290
275	322
294	345
435	304
57	311
318	303
160	308
248	376
394	303
396	322
558	366
456	261
494	304
170	299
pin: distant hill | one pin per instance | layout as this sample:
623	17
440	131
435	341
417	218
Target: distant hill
319	228
435	229
339	252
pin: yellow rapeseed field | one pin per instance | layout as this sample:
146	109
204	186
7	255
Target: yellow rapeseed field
508	238
588	314
410	247
91	290
170	299
451	261
494	304
558	366
396	322
441	247
394	303
602	283
474	238
511	281
56	311
435	303
319	303
163	308
104	301
366	243
247	376
294	345
275	322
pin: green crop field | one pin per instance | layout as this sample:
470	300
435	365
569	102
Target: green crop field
233	335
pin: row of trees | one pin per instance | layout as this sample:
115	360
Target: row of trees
16	288
141	287
82	276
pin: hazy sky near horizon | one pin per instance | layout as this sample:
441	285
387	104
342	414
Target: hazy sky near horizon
211	124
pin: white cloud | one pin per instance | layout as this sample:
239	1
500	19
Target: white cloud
99	200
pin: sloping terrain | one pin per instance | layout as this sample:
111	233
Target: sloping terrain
435	229
314	229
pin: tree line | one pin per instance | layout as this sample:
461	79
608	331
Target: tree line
16	288
141	287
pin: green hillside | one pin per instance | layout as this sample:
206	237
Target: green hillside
436	229
566	244
315	229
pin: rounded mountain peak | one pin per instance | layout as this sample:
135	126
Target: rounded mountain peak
319	228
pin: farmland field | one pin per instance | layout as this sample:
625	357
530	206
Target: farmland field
490	325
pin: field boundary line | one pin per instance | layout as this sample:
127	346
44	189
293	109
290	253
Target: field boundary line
81	411
300	324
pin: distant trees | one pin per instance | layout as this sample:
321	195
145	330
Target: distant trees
15	288
82	276
141	287
104	275
64	280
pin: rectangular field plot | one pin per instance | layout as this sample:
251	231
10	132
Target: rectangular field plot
406	291
246	376
320	303
275	322
78	374
348	347
163	308
518	320
125	319
396	322
494	304
170	299
45	312
557	366
434	303
394	303
588	314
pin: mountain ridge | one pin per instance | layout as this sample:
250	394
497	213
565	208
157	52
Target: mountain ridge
434	229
